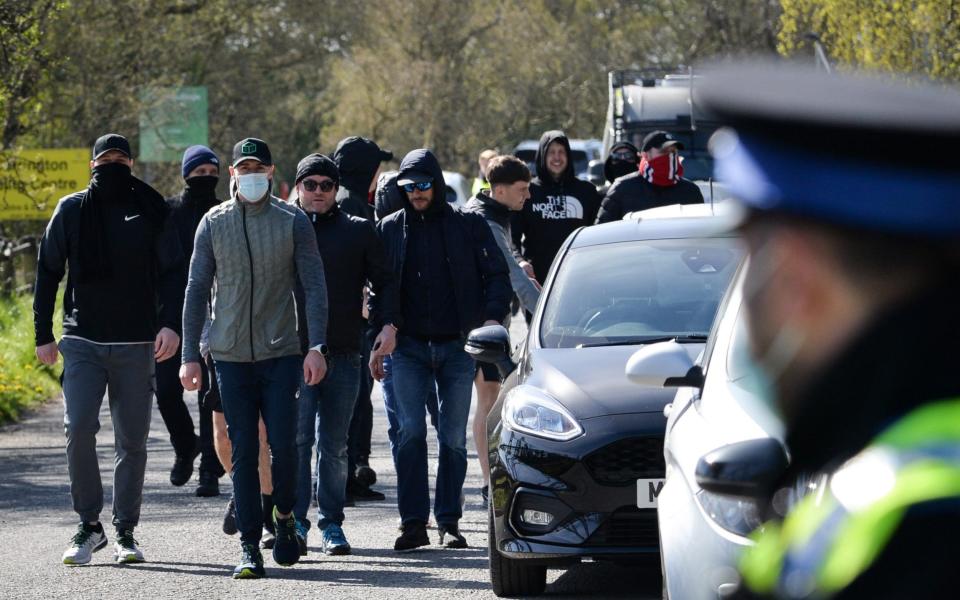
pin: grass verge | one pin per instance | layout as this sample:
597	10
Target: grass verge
24	382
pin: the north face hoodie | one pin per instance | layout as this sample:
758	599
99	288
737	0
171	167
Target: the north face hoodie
556	208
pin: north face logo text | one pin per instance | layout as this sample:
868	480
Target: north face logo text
559	207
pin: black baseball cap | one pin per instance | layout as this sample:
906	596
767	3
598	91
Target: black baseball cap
659	140
111	141
413	177
251	148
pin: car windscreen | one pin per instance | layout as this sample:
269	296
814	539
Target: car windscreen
638	291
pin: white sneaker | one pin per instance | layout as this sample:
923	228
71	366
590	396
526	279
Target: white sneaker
84	543
125	549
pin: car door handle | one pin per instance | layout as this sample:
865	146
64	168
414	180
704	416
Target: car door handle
666	409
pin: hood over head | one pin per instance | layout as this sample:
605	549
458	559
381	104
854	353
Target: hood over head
614	168
422	161
358	159
549	137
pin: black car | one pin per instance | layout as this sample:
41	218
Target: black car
576	449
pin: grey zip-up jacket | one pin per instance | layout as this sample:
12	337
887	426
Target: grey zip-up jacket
256	252
497	217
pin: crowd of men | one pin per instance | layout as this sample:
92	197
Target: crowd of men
284	311
284	307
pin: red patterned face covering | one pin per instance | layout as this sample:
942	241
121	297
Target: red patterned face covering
664	170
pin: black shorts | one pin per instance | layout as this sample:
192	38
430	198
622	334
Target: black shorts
212	399
489	370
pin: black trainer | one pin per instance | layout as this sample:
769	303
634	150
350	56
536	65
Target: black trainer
286	549
485	494
251	564
365	475
209	485
182	469
230	519
414	536
457	540
359	492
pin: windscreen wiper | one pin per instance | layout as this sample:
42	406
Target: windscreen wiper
693	338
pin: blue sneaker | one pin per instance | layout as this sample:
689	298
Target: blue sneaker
303	528
334	542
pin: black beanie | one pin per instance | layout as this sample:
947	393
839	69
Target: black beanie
317	164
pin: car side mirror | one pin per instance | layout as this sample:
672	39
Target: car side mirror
491	344
664	364
749	468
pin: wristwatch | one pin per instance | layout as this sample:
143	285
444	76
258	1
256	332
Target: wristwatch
322	349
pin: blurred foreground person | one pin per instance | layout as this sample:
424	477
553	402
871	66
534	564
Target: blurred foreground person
852	319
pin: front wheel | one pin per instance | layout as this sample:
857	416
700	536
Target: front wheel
512	577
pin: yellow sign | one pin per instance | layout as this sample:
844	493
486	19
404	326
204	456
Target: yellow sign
31	181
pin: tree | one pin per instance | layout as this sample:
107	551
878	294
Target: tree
24	58
902	36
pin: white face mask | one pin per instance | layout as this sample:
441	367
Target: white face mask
252	187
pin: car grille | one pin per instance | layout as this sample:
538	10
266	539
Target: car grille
625	461
628	527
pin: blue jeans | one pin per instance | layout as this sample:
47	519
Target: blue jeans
248	390
416	368
390	406
323	416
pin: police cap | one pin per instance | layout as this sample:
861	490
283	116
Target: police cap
848	149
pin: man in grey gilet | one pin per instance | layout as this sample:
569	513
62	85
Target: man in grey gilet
256	247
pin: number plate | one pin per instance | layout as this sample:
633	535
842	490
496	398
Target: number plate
647	492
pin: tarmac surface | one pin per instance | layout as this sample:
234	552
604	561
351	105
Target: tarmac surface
188	556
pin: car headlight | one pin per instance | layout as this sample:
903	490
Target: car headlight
739	516
533	411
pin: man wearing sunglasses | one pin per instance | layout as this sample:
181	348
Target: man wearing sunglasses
657	182
352	255
452	278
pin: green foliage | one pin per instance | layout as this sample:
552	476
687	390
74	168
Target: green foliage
24	382
896	36
24	57
302	74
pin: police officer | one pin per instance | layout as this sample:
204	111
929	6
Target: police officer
852	324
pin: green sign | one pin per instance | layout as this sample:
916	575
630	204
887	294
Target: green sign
172	120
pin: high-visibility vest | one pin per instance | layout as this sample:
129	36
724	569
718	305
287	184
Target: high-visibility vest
831	536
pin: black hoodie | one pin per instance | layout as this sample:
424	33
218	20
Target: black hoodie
556	209
357	160
451	274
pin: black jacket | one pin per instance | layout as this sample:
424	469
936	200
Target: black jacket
388	198
904	360
556	209
352	255
186	210
142	294
632	193
477	270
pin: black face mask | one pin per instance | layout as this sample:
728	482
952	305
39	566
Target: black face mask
111	180
202	186
619	168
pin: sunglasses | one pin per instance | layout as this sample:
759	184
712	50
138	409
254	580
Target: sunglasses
422	186
325	186
625	155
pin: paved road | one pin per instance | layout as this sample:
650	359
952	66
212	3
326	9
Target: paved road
189	557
